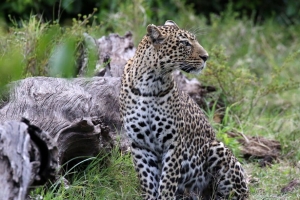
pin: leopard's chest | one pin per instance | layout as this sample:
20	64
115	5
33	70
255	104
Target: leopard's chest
150	122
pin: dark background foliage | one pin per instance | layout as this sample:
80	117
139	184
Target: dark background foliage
283	11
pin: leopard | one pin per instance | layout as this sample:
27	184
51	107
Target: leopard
174	148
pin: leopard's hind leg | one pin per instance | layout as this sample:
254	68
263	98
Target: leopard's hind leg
228	176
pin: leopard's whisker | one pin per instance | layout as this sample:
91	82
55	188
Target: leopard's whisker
198	31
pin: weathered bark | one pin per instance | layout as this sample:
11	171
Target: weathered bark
28	157
113	53
118	49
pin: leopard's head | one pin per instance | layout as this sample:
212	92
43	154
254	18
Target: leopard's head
176	48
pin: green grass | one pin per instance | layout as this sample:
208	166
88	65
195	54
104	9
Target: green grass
268	182
104	177
255	67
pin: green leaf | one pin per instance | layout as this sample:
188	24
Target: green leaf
62	61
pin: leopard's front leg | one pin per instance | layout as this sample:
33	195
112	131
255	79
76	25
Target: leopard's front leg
148	167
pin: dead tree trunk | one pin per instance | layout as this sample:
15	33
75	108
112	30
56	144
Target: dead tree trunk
73	112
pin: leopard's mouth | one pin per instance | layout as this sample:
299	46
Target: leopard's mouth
194	68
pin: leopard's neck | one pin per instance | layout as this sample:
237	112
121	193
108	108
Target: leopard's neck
151	77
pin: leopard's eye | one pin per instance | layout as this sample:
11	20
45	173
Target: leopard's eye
185	42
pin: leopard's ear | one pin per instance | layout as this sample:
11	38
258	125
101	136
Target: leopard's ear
171	23
155	35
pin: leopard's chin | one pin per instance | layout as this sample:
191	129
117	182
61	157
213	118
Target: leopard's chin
193	69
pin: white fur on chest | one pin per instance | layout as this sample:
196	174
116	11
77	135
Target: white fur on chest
150	123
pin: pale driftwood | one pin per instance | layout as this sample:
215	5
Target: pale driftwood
118	49
28	157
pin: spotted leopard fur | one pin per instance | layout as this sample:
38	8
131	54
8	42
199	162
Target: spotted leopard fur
174	148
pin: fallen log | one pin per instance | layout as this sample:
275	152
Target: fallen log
67	111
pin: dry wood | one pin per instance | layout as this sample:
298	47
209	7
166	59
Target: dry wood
267	150
28	157
70	111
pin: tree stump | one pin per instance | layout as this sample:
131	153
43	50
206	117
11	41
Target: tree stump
28	157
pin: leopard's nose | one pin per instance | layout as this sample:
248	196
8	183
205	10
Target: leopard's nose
204	57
